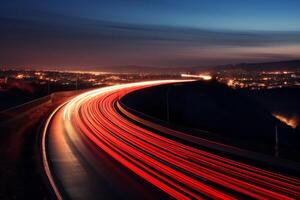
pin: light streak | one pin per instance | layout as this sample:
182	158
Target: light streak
181	171
205	77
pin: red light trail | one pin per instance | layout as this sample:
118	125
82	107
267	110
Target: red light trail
180	170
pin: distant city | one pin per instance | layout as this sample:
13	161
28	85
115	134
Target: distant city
73	79
256	80
234	78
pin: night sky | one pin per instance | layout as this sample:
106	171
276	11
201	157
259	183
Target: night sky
90	34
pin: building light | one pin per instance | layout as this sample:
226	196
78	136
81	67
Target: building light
20	76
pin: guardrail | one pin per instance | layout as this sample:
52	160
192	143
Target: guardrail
37	101
252	156
23	109
160	121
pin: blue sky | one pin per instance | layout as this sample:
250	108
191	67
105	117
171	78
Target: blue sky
139	32
217	14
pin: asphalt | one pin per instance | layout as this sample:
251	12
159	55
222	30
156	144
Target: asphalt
92	152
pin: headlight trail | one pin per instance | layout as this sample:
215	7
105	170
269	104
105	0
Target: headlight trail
179	170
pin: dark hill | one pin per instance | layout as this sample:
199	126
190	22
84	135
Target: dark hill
281	65
215	108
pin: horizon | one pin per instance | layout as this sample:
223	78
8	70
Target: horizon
105	69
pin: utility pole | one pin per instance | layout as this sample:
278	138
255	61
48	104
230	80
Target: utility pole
276	142
167	103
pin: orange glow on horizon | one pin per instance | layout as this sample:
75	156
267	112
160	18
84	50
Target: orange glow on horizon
292	121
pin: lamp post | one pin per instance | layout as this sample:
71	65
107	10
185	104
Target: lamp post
167	104
276	142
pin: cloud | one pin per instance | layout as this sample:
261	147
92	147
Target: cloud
47	39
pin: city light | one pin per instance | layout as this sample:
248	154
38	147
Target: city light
292	122
20	76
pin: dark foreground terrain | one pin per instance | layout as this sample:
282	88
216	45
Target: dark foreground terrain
22	175
236	117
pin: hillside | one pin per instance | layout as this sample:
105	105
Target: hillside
282	65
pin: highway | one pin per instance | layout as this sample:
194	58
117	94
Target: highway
93	149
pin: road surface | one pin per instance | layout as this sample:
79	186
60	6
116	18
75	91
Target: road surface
92	149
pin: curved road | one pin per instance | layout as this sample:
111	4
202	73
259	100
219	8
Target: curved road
92	149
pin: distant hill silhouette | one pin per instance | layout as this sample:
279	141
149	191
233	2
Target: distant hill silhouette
143	69
215	108
281	65
286	65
